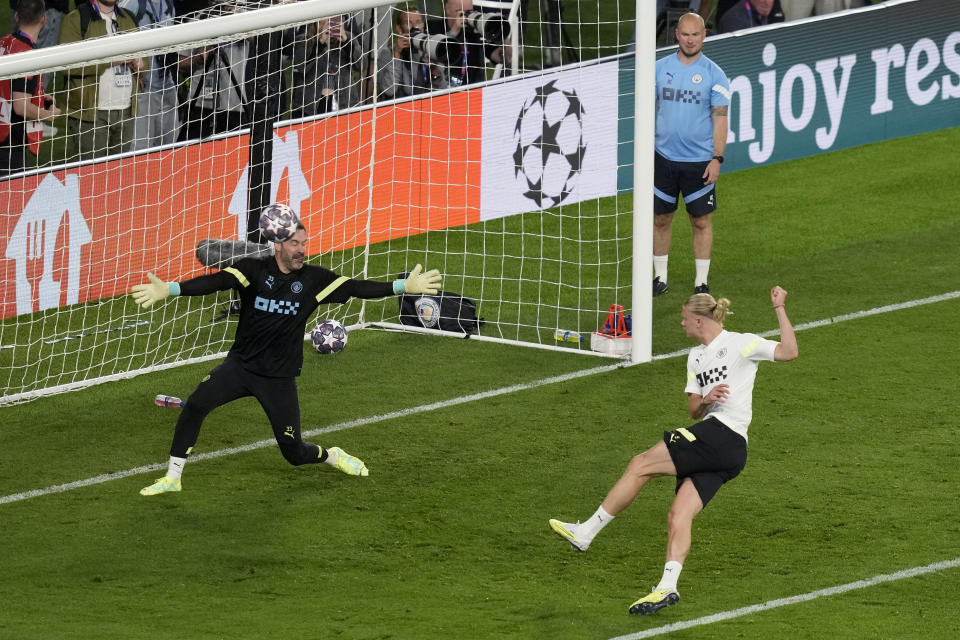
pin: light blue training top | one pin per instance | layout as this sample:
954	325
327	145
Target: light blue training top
686	95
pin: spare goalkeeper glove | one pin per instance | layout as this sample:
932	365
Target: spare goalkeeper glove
422	283
146	294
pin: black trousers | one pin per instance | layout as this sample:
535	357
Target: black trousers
229	381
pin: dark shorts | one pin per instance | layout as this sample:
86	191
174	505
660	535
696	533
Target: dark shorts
709	453
670	179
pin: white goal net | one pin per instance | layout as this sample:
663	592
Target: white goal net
492	140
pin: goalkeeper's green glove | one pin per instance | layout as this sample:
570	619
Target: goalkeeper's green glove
146	294
422	283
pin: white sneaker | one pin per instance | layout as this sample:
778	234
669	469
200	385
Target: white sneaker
571	533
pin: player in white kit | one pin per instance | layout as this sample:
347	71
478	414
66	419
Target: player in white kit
720	376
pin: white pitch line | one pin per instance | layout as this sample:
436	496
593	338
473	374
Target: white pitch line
262	444
118	475
783	602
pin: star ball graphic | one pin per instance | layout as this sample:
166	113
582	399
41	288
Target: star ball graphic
549	144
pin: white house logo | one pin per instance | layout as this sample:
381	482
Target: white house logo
35	239
550	146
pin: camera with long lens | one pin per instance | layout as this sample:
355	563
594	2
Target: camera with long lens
439	48
491	27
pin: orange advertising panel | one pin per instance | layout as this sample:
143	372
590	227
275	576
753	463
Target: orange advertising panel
426	171
92	231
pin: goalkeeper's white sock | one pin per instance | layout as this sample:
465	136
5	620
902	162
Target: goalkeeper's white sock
703	270
175	468
660	267
594	524
671	571
331	458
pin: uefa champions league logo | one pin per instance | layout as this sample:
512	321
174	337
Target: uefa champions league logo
549	145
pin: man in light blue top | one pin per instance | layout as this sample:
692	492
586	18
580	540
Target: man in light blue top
693	97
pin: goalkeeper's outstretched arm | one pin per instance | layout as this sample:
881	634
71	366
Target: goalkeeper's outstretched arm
156	290
416	283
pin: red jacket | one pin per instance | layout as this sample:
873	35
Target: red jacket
32	130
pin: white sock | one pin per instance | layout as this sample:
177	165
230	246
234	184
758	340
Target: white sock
671	571
332	457
660	267
175	467
703	270
592	526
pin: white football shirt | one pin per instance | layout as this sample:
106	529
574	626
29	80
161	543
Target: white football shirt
731	358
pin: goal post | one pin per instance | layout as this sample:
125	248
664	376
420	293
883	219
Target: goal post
643	134
515	182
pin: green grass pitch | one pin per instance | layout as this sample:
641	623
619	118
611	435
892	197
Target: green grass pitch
852	473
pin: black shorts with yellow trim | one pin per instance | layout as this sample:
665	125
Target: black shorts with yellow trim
709	453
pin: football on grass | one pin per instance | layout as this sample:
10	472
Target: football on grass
278	222
329	336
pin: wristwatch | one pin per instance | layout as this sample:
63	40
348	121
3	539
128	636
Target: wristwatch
718	159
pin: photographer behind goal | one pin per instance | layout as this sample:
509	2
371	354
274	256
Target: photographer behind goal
480	37
416	62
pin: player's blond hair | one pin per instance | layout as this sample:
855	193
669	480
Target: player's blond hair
703	304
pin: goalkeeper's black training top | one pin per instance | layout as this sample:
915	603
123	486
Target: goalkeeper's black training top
275	308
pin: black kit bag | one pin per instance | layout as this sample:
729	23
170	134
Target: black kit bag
446	311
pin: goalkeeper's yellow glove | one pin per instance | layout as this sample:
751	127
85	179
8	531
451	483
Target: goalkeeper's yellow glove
146	294
422	283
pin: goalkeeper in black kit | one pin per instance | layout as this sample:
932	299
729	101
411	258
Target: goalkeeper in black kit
278	294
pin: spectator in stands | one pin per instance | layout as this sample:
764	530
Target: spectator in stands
797	9
403	70
50	33
216	96
102	98
325	56
156	121
23	104
749	13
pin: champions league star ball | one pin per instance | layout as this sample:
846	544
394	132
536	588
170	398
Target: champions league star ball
278	222
329	336
548	156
